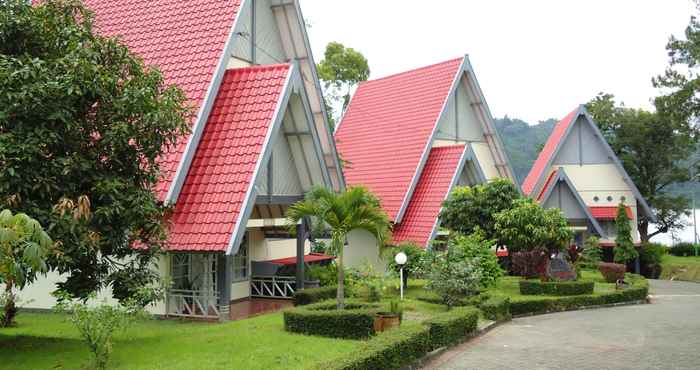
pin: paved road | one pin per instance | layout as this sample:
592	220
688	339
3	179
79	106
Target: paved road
661	335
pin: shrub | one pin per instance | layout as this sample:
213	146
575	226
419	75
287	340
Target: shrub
496	308
625	252
391	349
558	288
683	249
452	276
612	272
356	321
530	264
527	227
475	300
313	295
592	254
414	263
452	326
650	256
478	249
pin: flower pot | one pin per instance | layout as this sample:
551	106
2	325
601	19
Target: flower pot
386	320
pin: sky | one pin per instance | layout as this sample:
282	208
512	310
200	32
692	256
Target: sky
534	60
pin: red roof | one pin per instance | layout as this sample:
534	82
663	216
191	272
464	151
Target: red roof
222	170
311	257
183	38
432	189
387	128
538	168
608	213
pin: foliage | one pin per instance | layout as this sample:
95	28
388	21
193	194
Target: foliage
556	288
592	253
475	248
496	308
528	226
624	246
469	209
684	249
653	148
83	126
24	247
414	262
532	264
354	209
355	321
612	272
451	275
650	257
680	268
453	326
340	71
523	141
391	350
97	325
313	295
432	297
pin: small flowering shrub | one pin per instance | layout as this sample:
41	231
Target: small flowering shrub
532	264
612	272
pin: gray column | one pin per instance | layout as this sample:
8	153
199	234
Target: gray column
223	281
301	238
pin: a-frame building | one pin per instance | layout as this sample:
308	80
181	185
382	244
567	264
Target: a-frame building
411	137
579	173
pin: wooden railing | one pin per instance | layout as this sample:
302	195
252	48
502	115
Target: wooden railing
282	287
192	303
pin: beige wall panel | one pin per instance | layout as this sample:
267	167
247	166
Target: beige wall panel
486	160
362	248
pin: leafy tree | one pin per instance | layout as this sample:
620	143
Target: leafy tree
469	209
478	249
83	124
452	275
653	148
340	71
354	209
528	227
624	245
24	246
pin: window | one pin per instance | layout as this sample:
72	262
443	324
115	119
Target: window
609	228
240	263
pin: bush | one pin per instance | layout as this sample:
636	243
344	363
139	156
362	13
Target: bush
391	349
356	321
558	288
313	295
474	300
530	264
612	272
527	227
683	249
592	254
452	275
496	308
414	263
475	247
452	326
650	256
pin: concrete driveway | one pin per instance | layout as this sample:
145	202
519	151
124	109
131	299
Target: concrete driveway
661	335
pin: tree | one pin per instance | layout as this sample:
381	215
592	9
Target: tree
652	147
469	209
474	247
529	227
24	246
83	126
354	209
340	71
624	246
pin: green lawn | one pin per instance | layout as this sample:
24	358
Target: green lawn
508	287
680	268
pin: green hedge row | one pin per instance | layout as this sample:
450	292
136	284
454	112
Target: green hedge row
496	308
558	288
356	321
313	295
397	348
431	297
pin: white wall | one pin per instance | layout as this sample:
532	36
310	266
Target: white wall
362	248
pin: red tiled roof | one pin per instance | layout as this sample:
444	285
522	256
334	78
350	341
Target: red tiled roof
387	128
311	257
183	38
538	168
608	213
222	170
432	189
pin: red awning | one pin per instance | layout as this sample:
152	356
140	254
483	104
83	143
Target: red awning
311	257
608	213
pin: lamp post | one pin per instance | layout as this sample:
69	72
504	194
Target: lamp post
400	260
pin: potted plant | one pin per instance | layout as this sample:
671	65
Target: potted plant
312	276
387	320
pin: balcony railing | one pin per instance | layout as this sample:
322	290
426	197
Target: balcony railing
193	303
282	287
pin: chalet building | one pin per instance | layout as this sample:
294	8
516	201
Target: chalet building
579	173
410	138
259	141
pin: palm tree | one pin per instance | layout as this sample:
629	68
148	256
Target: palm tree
354	209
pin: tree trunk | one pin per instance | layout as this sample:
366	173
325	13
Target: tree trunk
10	310
341	275
643	227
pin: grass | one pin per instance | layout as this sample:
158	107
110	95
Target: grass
680	268
508	287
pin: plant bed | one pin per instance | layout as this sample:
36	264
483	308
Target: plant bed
356	321
556	288
452	326
433	298
496	308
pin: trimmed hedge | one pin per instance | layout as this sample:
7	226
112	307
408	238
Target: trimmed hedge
452	326
637	292
391	349
496	308
313	295
356	321
431	297
558	288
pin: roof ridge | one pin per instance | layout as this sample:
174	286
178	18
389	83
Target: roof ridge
410	71
261	67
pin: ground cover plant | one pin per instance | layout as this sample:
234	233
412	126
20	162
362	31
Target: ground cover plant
680	268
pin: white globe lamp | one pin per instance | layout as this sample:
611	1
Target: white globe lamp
400	260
